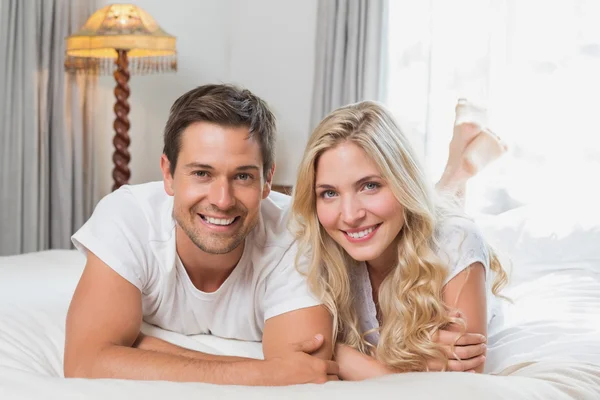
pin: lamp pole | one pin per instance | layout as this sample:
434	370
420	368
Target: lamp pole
121	156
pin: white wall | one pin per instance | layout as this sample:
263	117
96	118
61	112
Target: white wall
266	46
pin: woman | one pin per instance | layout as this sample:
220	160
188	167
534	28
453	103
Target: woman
393	261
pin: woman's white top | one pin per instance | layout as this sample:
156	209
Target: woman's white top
460	245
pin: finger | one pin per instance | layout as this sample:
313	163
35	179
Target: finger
434	365
465	352
333	378
332	367
471	339
465	365
456	338
310	345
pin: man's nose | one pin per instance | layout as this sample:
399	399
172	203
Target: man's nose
221	194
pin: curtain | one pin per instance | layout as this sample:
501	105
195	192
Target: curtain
349	54
46	127
533	64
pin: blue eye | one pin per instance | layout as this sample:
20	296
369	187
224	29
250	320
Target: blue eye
371	185
328	194
243	177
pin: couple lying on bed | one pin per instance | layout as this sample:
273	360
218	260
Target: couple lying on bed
366	271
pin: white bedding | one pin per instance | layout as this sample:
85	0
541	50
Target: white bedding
547	346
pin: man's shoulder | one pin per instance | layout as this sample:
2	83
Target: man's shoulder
272	230
147	206
271	242
152	193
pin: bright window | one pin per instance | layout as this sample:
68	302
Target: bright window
534	64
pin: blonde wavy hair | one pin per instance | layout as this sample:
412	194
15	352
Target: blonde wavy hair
410	296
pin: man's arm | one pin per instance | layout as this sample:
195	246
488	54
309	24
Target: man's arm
293	314
104	321
145	342
282	331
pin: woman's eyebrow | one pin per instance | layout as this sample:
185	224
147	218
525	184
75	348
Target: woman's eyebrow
323	186
358	182
366	179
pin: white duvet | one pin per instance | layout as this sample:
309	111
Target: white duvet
547	345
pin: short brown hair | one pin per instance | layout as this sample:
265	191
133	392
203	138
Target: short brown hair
225	105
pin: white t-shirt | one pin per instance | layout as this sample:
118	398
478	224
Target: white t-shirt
132	230
460	245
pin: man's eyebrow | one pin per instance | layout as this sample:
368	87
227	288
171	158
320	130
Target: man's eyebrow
197	165
247	167
194	165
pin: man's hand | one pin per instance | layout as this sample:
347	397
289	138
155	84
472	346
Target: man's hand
287	330
299	366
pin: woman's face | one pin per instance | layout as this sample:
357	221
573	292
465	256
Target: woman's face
356	206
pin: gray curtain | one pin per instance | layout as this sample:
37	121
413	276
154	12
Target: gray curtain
46	127
350	56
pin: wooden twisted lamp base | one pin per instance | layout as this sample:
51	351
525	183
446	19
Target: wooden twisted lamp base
121	156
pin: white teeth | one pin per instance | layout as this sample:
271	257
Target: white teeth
219	221
358	235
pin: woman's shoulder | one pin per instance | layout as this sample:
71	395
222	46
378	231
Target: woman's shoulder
457	225
458	242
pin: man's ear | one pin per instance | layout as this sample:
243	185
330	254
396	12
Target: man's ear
268	183
165	167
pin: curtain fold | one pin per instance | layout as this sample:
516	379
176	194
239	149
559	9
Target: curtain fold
46	127
350	56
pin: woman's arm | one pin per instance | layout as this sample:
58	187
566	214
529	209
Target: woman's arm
466	292
356	366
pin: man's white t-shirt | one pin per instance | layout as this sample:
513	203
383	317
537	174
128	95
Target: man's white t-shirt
132	230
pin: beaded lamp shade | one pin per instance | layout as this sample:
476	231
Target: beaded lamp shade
120	39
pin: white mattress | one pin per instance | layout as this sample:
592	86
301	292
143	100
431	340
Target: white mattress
547	345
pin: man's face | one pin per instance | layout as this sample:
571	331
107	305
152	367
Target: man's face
217	186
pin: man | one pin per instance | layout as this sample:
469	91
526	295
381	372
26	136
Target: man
205	251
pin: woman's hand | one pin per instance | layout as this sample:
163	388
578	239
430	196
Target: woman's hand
466	293
468	353
356	366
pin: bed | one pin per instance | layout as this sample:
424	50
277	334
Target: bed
546	345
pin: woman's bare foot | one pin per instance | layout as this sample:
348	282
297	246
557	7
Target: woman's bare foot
483	150
471	149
